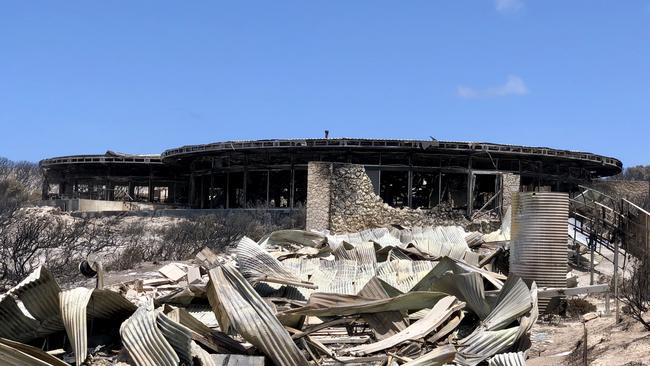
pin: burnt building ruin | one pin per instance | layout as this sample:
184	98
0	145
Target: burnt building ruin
273	173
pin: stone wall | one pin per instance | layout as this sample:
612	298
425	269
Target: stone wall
319	176
510	184
341	198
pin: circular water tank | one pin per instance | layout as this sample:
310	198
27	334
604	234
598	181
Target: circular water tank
538	250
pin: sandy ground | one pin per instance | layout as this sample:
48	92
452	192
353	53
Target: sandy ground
607	343
558	341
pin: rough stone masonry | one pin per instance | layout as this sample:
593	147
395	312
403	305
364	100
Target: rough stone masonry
341	198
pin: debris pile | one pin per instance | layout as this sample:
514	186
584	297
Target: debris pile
383	296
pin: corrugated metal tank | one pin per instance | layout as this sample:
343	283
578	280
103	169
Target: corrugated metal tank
538	249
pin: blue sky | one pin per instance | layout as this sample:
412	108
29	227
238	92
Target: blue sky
83	77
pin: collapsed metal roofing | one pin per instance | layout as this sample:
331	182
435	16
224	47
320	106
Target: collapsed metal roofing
276	298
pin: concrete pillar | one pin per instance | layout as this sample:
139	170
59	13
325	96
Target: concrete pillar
318	211
510	183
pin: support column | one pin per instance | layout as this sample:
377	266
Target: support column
268	187
131	191
245	184
292	187
211	202
202	192
228	190
110	194
439	187
190	198
171	193
151	187
45	189
65	189
319	176
510	183
470	187
410	188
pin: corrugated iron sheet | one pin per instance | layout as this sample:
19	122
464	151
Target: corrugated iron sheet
438	241
73	311
107	304
31	309
508	359
237	304
322	304
19	354
466	287
213	339
79	304
514	301
299	237
146	344
362	253
446	264
539	238
204	314
381	236
16	324
256	264
489	338
438	357
440	312
482	344
383	324
178	336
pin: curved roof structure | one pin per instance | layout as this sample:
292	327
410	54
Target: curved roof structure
237	174
600	165
110	157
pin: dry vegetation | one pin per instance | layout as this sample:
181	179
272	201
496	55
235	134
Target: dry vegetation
635	292
639	172
30	235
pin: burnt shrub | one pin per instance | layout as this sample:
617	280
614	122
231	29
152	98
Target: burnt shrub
29	239
576	307
182	239
634	291
219	231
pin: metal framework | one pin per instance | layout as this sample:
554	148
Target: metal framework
618	225
463	147
238	174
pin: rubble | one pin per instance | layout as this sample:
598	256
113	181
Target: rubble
393	296
172	271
